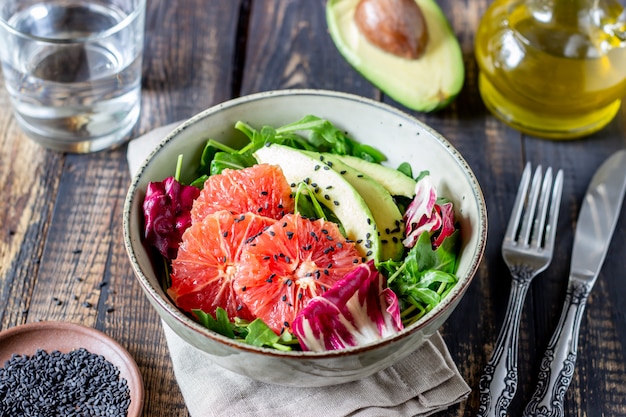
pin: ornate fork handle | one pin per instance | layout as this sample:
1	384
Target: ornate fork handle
499	381
558	364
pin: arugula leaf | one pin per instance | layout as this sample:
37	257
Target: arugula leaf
220	324
255	333
424	277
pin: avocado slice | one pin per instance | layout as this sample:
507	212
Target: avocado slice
332	190
393	180
387	216
425	84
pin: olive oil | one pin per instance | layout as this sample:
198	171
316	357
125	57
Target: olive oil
553	69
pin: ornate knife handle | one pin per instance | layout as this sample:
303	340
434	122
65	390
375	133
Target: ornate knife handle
558	364
499	381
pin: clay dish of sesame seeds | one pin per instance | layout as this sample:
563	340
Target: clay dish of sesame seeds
50	336
400	136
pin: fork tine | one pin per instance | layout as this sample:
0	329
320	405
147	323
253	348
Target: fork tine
554	212
520	199
537	239
529	215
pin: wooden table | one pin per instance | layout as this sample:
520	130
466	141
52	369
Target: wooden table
61	215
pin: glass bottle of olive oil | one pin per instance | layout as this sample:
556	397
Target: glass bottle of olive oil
553	68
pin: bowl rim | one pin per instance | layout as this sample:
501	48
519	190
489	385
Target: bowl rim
190	324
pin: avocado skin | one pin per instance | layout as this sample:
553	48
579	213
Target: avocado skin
427	84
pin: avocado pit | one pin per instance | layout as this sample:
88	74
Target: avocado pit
396	26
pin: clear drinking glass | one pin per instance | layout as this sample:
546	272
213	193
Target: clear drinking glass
73	69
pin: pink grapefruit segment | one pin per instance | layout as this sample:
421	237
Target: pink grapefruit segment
203	272
288	264
261	189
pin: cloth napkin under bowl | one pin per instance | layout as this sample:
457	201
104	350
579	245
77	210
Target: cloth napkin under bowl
422	384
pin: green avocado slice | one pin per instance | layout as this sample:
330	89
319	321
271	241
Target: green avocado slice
425	84
393	180
332	190
386	215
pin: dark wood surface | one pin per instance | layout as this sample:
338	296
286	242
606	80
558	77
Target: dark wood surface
61	215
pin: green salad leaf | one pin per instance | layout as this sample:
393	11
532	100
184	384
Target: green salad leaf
323	136
255	333
424	277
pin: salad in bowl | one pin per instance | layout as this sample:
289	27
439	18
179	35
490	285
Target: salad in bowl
286	237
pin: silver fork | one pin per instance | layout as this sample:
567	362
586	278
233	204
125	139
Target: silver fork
527	250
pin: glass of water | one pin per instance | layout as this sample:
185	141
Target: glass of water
73	69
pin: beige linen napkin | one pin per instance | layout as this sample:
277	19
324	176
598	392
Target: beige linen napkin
420	385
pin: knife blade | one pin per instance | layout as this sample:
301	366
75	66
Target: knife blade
597	219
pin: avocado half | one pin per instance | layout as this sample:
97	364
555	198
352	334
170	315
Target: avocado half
425	84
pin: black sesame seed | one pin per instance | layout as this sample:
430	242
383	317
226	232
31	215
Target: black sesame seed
336	203
78	383
225	234
264	193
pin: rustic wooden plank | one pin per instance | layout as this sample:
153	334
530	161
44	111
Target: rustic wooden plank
30	179
190	49
289	47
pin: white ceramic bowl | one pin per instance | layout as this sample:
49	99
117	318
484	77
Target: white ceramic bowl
400	136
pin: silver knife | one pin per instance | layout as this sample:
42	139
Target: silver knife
596	222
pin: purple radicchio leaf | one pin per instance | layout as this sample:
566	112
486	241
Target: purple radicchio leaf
425	215
446	213
166	209
357	310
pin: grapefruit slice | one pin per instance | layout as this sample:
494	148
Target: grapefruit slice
261	189
289	263
203	271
